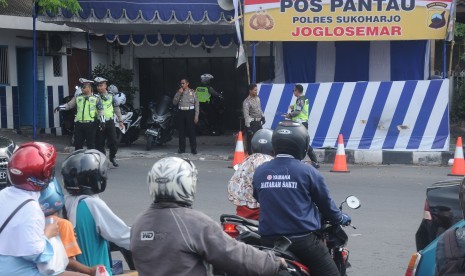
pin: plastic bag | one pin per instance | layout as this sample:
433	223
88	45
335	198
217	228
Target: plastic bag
58	263
101	271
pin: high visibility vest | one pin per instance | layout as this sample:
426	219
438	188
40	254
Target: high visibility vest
303	115
202	94
86	108
107	106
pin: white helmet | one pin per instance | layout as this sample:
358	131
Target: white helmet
205	78
119	98
172	179
113	89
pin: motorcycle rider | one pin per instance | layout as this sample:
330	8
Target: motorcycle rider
450	251
107	128
24	242
89	107
85	177
52	201
204	93
240	189
299	113
170	238
291	196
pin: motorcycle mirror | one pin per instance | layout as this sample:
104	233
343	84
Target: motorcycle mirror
353	202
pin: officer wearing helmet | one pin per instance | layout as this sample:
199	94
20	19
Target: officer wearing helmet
24	237
205	92
299	113
291	196
240	189
182	239
52	201
107	131
88	111
85	177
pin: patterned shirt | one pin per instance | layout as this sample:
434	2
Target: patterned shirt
240	189
251	109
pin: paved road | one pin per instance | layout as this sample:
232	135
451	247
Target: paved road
392	200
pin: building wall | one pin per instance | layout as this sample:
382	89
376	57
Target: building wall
55	87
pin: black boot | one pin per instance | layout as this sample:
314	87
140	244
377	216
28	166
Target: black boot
113	161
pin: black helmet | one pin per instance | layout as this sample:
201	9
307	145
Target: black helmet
261	142
291	138
85	172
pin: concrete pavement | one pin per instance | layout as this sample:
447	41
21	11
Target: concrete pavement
222	148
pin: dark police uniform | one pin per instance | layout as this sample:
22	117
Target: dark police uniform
291	196
85	123
107	131
188	105
204	94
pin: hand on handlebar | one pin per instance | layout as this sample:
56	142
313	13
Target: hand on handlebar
345	220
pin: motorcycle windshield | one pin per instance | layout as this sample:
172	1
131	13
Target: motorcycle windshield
163	106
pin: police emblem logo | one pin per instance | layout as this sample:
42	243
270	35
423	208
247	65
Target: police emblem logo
436	15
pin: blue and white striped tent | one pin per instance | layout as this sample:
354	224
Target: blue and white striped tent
400	115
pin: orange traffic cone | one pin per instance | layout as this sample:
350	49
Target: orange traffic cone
340	162
239	155
458	168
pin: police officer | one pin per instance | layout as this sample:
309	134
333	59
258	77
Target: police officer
107	129
188	115
253	115
204	93
299	114
88	112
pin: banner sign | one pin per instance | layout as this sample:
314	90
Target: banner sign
396	116
345	20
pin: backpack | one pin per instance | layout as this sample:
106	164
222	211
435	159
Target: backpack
455	258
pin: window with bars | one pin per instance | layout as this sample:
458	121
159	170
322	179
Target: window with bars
4	75
57	68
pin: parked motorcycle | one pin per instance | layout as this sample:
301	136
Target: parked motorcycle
334	236
160	128
131	120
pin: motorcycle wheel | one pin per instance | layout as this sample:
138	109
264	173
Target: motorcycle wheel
148	146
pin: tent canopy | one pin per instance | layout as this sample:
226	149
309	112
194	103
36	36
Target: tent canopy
147	17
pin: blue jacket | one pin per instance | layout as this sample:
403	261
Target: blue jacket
291	195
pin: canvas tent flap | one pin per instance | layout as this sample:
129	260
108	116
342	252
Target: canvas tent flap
146	16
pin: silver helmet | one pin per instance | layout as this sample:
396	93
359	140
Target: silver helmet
113	89
172	179
206	78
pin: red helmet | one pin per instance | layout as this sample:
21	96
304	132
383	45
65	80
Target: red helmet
31	167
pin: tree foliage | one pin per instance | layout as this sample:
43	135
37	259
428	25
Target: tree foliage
52	5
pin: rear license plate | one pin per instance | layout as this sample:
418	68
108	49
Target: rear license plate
2	176
151	132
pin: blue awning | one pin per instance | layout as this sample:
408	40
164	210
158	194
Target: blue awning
194	40
142	17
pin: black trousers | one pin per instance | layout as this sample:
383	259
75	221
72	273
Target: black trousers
186	125
311	252
254	127
84	132
311	154
108	136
